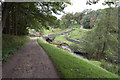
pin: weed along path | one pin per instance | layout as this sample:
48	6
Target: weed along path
31	61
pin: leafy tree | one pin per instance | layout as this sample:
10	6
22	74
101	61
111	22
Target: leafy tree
93	19
90	2
67	20
78	17
102	41
18	16
87	11
90	18
106	2
94	16
86	21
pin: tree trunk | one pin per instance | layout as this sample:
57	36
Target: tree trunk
7	25
16	13
106	32
15	27
103	49
5	14
12	21
5	10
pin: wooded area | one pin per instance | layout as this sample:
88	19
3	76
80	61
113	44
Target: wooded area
18	17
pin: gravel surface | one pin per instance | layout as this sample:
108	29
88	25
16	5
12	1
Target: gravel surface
31	61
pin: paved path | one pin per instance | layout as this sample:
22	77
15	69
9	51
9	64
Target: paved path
30	61
55	35
64	33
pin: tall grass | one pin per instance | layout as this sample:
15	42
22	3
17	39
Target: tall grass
10	44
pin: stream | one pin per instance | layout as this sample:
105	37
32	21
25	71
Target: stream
66	47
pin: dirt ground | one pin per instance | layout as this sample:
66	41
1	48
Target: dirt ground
31	61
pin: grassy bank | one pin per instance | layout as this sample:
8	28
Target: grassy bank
54	31
77	33
71	66
61	39
10	44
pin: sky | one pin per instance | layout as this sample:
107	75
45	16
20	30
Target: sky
80	5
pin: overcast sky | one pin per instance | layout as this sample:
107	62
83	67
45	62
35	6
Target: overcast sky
80	5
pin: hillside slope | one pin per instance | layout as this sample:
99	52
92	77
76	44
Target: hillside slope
71	66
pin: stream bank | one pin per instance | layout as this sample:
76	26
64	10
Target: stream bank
65	46
50	38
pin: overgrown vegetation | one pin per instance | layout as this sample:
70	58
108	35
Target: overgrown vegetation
71	66
10	44
87	18
101	40
114	68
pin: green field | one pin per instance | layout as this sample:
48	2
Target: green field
61	39
53	31
77	33
71	66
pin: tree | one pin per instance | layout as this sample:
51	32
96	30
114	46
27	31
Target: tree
90	2
87	11
67	20
106	2
102	41
86	21
78	17
94	16
33	15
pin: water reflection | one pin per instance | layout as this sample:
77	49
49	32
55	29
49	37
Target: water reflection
66	47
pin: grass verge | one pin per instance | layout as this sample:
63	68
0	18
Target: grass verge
10	44
71	66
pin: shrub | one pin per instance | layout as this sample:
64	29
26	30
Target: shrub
110	67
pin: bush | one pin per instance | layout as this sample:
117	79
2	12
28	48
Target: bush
110	67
